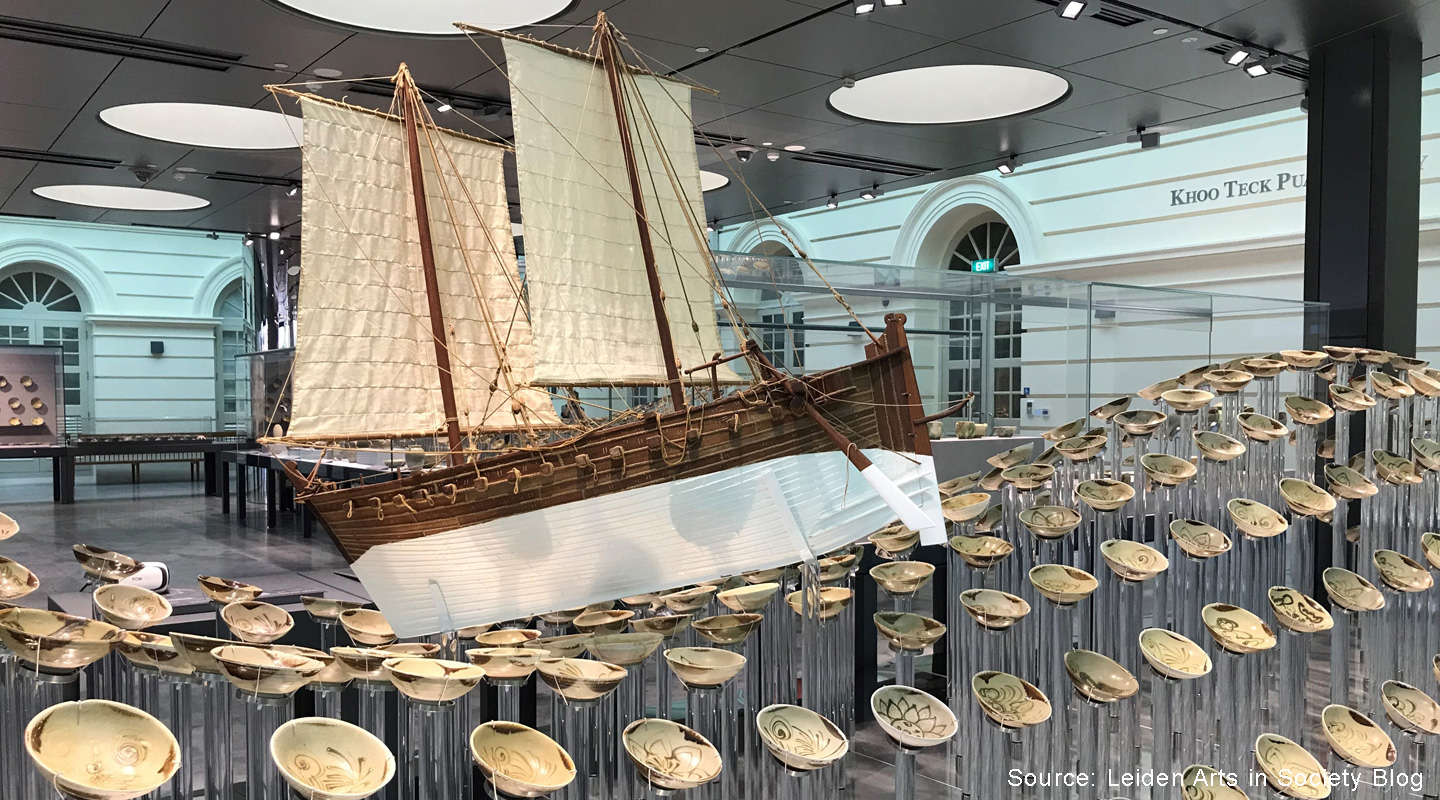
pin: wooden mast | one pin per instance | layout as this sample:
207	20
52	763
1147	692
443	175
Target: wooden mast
610	54
409	103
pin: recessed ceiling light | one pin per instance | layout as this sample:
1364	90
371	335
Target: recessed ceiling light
1159	31
864	6
281	65
767	144
794	148
950	94
710	181
702	49
1190	39
327	72
207	125
432	17
1072	9
125	198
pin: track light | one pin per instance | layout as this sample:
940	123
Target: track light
1072	9
709	227
292	191
833	202
274	236
773	155
249	240
443	107
889	3
871	193
1265	66
1239	54
1006	166
864	6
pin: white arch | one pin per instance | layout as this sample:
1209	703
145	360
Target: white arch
87	280
950	207
207	297
753	234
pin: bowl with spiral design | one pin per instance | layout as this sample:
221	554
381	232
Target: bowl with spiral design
799	738
520	761
669	756
131	607
327	759
101	750
1356	738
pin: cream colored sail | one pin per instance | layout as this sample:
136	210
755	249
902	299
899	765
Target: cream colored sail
589	298
364	358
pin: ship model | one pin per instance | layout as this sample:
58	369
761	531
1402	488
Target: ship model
414	321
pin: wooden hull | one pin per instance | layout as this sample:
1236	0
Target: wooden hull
874	403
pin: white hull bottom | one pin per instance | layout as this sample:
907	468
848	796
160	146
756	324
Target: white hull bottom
642	540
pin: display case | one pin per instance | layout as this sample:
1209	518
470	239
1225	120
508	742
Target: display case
31	389
263	392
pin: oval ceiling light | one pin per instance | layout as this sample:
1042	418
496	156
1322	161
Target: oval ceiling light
950	94
431	17
125	198
710	181
207	125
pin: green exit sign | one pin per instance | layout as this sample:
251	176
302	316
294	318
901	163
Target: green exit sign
983	265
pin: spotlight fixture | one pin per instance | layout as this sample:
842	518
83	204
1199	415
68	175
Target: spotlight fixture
871	193
743	153
249	240
292	191
833	202
443	107
773	155
889	3
795	148
1239	54
709	227
864	6
1072	9
1305	103
1264	66
1148	139
274	236
1006	166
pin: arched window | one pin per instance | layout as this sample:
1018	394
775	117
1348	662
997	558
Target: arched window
780	316
230	342
38	306
987	245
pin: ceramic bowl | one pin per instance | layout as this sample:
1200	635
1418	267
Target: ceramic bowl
994	609
1155	390
367	627
956	486
1356	738
911	718
101	750
1395	470
15	580
1228	381
1110	410
1167	470
1028	477
1104	494
432	680
1426	454
987	521
704	667
131	607
1411	709
1187	400
1050	522
669	626
410	649
748	599
1061	584
724	629
1009	701
1348	483
688	601
263	671
327	608
1218	447
225	591
1062	432
52	641
894	540
327	759
981	552
1307	499
255	622
140	648
1200	782
1099	678
965	507
1401	572
1343	355
799	738
334	673
1013	457
1308	411
1133	561
362	663
1390	388
1173	655
1236	629
568	646
902	578
8	527
670	756
1298	611
1140	421
196	651
1303	359
107	565
624	649
1198	539
834	569
1256	520
600	623
1347	398
520	761
566	615
1263	367
1290	769
578	680
908	632
506	663
1350	591
1430	543
1425	381
508	637
1260	428
763	575
832	600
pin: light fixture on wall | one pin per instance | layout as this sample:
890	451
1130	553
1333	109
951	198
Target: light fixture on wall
864	6
1073	9
249	240
1239	54
833	202
1261	67
871	193
274	236
1006	165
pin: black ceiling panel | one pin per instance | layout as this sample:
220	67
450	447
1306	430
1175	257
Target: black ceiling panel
837	44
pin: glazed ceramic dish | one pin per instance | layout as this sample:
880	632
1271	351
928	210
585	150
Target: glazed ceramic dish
131	607
367	627
1390	388
1298	611
8	527
832	600
507	637
1062	584
1009	701
1426	453
1066	431
1104	494
1218	447
1187	400
1308	411
1303	359
902	578
1356	738
1099	678
722	630
1013	457
1050	522
1256	520
256	622
1167	470
987	521
1395	470
327	608
362	663
669	626
1401	572
908	632
410	649
911	718
1173	655
506	663
1228	381
688	601
955	486
263	671
1081	448
432	680
1290	769
1028	477
100	750
196	651
1347	398
981	552
1140	421
1133	561
748	599
895	539
1260	428
15	580
1306	499
107	565
1347	483
1430	543
225	591
1110	410
151	651
520	761
578	680
965	507
1236	629
603	622
1198	539
53	641
1411	709
334	673
327	759
799	738
994	609
1350	591
992	480
625	649
1200	782
704	667
670	756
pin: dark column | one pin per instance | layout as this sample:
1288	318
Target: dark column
1362	213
